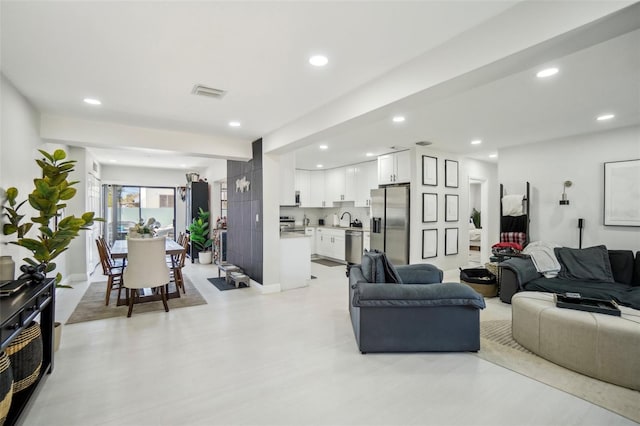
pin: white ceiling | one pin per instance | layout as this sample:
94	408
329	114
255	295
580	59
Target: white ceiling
142	59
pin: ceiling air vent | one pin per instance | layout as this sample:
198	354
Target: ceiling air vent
423	143
210	92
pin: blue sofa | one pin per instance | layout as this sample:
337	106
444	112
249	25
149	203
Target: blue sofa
419	314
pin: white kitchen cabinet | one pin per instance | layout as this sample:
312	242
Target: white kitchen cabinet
350	182
303	187
334	184
311	233
394	168
316	184
287	179
366	179
330	243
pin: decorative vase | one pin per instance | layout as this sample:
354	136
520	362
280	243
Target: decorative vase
57	335
7	268
204	257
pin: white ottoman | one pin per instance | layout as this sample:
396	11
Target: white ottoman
602	346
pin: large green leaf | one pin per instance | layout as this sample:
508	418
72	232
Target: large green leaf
59	154
46	155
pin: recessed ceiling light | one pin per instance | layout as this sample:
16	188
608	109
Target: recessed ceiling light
369	154
323	147
476	142
547	72
92	101
234	124
183	165
319	166
113	161
318	60
605	117
493	155
398	119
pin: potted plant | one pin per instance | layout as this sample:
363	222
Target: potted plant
199	235
55	233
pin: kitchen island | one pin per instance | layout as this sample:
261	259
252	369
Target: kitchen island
295	260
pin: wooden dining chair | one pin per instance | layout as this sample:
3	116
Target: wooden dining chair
109	269
176	265
146	268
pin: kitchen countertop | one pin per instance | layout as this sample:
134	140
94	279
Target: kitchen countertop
293	235
350	228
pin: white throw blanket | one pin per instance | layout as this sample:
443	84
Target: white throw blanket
512	205
543	258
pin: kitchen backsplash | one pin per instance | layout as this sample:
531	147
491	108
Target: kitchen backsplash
314	214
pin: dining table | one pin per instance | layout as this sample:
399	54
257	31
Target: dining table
119	250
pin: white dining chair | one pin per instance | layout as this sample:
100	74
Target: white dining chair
146	268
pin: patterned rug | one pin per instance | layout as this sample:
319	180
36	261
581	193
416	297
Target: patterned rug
498	347
91	307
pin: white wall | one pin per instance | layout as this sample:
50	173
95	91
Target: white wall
416	225
19	144
580	159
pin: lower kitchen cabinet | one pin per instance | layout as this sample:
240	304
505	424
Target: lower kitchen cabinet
366	241
330	243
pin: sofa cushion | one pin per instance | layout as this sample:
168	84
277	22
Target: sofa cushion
621	265
590	264
407	295
623	294
376	268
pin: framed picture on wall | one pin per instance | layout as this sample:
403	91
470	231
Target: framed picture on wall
450	241
429	170
429	207
450	208
621	193
429	243
450	173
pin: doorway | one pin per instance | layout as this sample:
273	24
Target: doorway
478	202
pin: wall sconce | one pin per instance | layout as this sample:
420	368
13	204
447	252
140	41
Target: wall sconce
182	191
563	199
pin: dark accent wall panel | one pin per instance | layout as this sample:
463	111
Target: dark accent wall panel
244	234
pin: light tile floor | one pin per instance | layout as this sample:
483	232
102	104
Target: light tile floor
280	359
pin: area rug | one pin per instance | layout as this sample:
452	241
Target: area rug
498	347
221	284
92	307
327	262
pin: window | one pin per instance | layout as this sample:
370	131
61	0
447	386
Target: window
166	200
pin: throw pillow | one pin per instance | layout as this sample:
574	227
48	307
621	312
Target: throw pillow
590	264
377	269
621	265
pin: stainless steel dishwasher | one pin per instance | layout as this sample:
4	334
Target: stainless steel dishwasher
353	246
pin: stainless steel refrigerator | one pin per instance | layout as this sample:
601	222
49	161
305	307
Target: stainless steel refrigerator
390	222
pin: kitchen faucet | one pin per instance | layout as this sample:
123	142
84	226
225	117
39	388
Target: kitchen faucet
349	217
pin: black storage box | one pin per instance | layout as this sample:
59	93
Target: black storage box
481	280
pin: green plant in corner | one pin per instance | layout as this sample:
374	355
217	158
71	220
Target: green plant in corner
475	217
48	199
199	232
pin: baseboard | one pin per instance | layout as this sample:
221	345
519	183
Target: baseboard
267	289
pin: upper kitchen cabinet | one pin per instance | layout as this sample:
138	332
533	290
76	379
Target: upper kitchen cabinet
316	187
303	187
287	179
394	168
366	179
335	185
